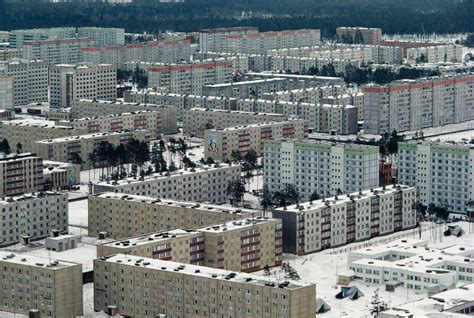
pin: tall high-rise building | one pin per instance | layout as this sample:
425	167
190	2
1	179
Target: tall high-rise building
74	82
359	35
213	40
20	174
103	36
18	37
58	51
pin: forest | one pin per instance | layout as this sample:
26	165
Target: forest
394	16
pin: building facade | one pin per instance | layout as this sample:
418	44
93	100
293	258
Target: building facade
103	36
109	213
435	54
18	37
20	174
359	35
316	225
59	51
6	92
60	175
213	40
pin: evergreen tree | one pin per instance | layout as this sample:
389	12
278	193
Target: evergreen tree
235	190
19	148
378	305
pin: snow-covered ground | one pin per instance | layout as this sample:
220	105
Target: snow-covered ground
78	213
457	136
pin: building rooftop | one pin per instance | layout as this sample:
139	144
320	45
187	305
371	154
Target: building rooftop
267	124
235	112
45	124
88	136
108	102
30	196
249	82
84	119
235	225
149	238
16	157
34	261
203	271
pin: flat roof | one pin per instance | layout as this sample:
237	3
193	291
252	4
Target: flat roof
30	196
236	225
88	136
49	124
234	112
34	261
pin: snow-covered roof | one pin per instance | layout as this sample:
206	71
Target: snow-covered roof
33	261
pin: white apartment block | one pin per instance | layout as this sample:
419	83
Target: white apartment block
203	184
146	120
20	174
313	95
8	53
166	117
6	92
54	288
196	120
246	89
414	264
109	213
152	52
103	36
65	149
146	287
304	64
59	51
410	105
242	62
32	216
30	84
73	82
245	245
436	54
442	172
355	34
213	40
18	37
356	100
324	167
189	78
316	225
220	143
336	118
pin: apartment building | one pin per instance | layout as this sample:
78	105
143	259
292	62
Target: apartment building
220	143
307	80
319	166
60	175
120	278
359	35
203	184
142	119
32	216
303	64
20	173
30	84
28	131
436	54
18	37
335	221
313	95
213	40
152	52
107	110
54	288
189	78
399	261
58	51
338	118
242	62
197	120
246	89
442	172
66	149
259	241
103	36
109	213
74	82
408	44
410	105
6	92
8	53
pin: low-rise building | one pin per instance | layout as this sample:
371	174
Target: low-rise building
110	213
73	148
32	216
20	173
54	288
220	143
128	281
60	175
326	223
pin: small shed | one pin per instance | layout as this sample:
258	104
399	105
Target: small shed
62	242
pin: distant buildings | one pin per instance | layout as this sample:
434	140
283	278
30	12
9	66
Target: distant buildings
410	105
6	92
31	217
20	174
103	36
143	277
58	51
219	144
73	82
213	40
60	175
326	223
435	54
246	89
359	35
109	214
320	167
442	172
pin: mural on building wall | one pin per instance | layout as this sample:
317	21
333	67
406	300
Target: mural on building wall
212	143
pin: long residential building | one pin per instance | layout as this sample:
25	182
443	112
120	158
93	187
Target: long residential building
246	89
410	105
442	172
32	216
318	166
30	80
68	149
142	119
109	213
219	144
27	131
73	82
335	221
124	281
18	37
245	245
89	108
202	184
8	53
189	78
435	54
213	40
58	51
103	36
54	288
196	120
304	64
359	35
20	174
